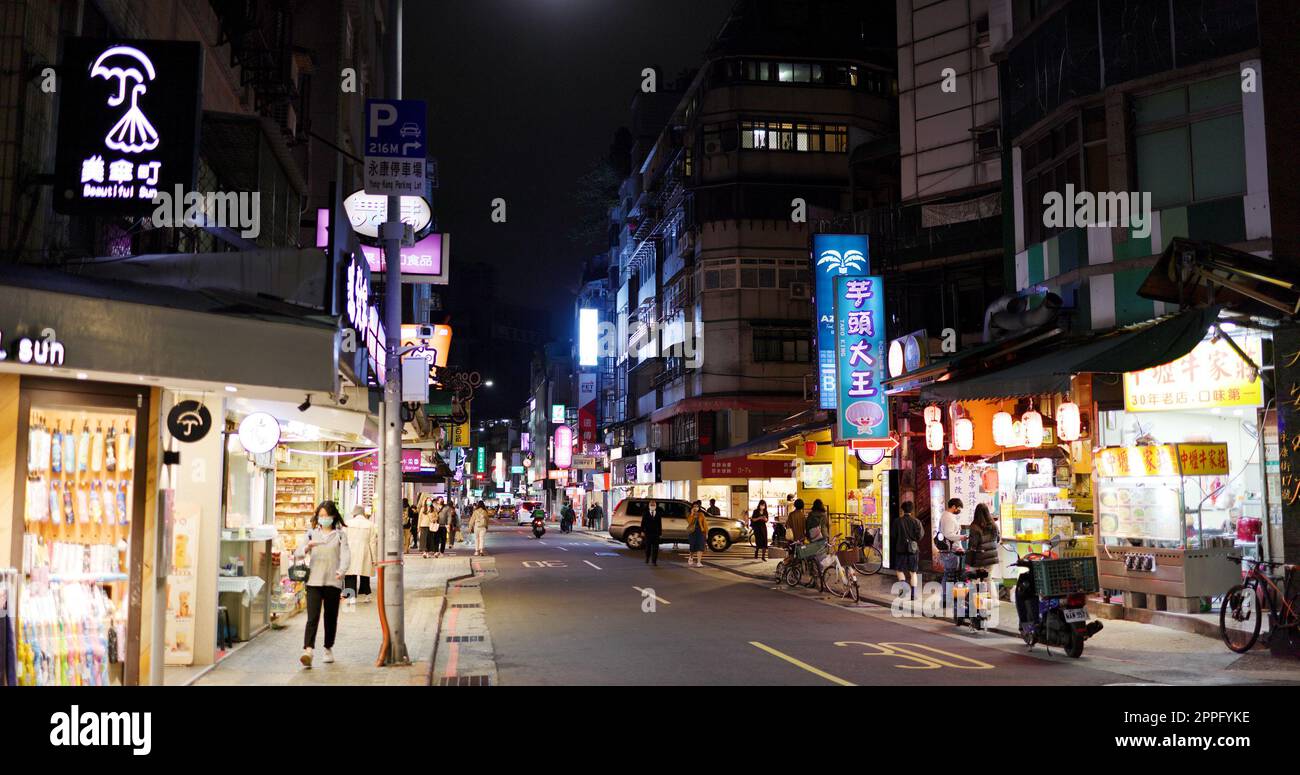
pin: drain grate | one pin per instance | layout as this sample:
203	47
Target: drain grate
466	605
464	638
465	680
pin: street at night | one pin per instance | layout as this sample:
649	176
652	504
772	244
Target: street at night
945	350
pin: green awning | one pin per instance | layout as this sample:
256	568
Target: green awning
1134	348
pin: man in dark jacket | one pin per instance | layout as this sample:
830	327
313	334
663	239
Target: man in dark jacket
652	527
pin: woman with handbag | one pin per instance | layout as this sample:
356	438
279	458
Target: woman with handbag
982	545
428	516
905	548
411	523
697	528
328	558
758	524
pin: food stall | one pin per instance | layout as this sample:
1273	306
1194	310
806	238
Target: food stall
1163	525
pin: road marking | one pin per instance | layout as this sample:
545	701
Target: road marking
804	665
561	548
544	564
607	554
651	594
916	653
592	564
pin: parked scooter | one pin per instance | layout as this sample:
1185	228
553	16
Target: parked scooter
1051	596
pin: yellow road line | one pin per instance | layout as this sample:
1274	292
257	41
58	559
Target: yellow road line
804	665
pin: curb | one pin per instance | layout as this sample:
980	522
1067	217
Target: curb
870	597
437	631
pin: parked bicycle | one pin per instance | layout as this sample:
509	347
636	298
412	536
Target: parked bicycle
793	572
1241	613
839	576
865	544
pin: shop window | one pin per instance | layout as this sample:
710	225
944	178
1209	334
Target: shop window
1190	143
780	346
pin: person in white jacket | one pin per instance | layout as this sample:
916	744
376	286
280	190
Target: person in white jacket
328	556
478	523
363	545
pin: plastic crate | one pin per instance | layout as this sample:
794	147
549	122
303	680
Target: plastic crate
1068	576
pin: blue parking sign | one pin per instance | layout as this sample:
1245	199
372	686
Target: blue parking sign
396	147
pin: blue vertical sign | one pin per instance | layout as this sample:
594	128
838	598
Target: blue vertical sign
396	147
834	255
860	358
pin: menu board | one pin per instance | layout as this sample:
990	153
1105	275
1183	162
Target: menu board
1151	512
964	482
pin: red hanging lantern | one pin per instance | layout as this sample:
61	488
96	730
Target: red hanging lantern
810	449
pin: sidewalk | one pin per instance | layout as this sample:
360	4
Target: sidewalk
271	659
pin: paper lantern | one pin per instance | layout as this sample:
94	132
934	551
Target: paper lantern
1017	437
963	434
1031	424
1002	429
934	436
810	449
933	414
1068	426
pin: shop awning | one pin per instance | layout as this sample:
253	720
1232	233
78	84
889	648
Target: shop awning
770	442
1134	348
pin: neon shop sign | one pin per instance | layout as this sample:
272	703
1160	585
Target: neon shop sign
364	318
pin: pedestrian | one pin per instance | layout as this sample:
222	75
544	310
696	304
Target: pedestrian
595	516
450	520
758	523
478	525
328	556
982	544
818	518
714	511
796	521
905	546
697	530
948	538
363	546
567	517
412	523
425	523
652	527
778	521
438	530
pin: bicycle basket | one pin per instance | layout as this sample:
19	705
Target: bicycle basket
849	556
1069	576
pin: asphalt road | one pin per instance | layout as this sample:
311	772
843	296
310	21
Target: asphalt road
575	610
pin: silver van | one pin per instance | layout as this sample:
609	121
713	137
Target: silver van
625	524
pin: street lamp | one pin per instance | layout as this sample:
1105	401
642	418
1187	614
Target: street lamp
487	383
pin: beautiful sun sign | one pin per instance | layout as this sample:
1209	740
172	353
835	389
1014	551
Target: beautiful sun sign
128	124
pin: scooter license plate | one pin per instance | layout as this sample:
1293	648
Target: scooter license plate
1076	615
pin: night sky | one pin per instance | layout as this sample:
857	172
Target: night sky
524	96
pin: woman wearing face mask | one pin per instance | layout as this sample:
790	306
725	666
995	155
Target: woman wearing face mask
328	556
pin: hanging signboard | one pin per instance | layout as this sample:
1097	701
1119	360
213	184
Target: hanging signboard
862	413
834	256
1212	375
128	124
1163	460
587	408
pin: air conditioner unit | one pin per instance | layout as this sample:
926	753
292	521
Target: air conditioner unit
799	291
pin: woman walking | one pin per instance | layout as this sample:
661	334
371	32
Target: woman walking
328	555
758	524
478	524
363	545
697	528
425	521
412	523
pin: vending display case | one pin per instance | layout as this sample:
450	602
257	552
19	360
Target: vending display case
1161	528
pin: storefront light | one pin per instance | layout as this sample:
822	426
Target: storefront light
1017	437
1031	424
1068	425
934	436
963	434
1002	429
933	414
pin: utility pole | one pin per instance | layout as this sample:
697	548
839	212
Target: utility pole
391	446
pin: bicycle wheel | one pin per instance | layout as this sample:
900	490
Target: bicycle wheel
794	574
835	581
855	594
870	562
814	573
1240	618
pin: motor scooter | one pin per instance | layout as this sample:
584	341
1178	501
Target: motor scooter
539	527
1051	599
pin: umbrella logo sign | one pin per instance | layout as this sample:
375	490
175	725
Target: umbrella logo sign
132	133
189	421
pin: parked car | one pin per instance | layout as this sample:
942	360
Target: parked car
625	524
524	516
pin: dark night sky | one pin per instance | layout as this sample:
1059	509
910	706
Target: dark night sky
524	95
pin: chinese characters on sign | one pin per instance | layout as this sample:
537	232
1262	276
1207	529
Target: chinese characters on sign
1286	348
859	355
129	121
395	147
1163	460
834	256
587	409
1211	375
363	317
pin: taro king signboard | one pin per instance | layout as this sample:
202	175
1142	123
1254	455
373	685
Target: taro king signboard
860	359
128	124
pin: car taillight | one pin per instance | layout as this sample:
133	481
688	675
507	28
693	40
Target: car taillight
1078	600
